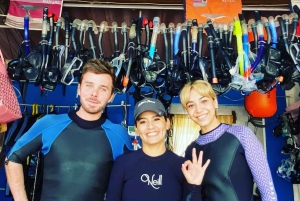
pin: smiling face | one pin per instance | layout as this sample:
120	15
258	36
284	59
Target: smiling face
95	91
202	110
152	129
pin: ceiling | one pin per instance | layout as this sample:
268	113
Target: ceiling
109	11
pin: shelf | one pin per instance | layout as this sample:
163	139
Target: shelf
160	6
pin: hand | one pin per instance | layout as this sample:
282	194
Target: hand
194	171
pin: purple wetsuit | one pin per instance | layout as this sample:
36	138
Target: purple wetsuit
237	158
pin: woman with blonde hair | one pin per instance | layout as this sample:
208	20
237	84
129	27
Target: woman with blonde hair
237	157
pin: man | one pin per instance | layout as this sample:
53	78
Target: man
78	148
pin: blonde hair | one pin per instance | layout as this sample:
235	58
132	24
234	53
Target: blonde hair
202	87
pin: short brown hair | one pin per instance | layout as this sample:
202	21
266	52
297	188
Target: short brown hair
204	88
99	67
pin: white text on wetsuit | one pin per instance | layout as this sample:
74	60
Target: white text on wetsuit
154	182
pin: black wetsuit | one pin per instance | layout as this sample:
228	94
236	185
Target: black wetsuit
139	177
237	160
78	155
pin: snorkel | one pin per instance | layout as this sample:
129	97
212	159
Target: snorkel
246	50
211	53
238	33
261	49
155	32
272	26
176	42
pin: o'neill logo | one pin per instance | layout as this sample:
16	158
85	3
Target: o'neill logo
146	101
153	182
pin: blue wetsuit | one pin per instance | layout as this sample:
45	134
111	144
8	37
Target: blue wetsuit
78	155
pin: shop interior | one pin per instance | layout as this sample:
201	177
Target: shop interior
102	30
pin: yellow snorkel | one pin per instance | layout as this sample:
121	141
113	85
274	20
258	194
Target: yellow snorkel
238	33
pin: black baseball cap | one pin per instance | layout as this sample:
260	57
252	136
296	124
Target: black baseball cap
149	104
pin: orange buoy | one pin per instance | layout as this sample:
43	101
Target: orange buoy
261	105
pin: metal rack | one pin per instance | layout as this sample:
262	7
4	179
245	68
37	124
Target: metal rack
159	6
122	104
151	6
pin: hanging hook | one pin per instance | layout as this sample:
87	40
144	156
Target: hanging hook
33	110
36	108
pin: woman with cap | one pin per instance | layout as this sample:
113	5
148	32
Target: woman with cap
154	173
237	157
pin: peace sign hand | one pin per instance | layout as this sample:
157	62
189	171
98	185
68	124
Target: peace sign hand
194	171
